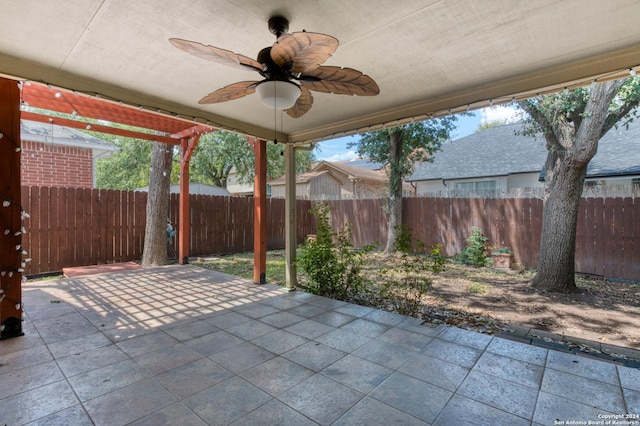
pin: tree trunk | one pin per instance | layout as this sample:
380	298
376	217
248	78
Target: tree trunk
556	263
395	189
566	169
155	235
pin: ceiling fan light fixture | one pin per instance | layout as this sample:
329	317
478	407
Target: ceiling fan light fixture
278	94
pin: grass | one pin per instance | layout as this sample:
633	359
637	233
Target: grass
241	265
478	288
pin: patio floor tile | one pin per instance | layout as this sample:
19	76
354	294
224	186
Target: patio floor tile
581	366
309	328
629	377
321	399
251	329
385	354
274	413
228	351
167	358
313	355
75	415
276	375
128	404
191	330
333	318
343	340
242	357
510	369
279	341
632	400
194	377
176	414
357	373
464	356
500	393
551	408
227	401
36	403
413	396
370	412
366	328
24	379
106	379
91	360
215	342
520	351
435	371
467	412
585	391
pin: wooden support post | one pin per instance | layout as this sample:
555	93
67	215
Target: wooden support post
11	212
187	147
290	215
260	211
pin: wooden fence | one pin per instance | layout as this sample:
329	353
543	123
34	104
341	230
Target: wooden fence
79	227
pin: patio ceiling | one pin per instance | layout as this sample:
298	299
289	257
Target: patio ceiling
427	56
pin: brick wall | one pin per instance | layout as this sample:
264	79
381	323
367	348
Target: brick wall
46	164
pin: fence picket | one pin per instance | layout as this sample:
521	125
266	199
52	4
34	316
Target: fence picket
79	227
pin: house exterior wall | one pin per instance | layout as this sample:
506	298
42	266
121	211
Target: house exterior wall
324	186
519	180
55	165
237	188
369	190
524	180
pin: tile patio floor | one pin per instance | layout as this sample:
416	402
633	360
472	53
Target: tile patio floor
182	345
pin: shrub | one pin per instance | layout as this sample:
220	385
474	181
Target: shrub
332	265
475	252
402	289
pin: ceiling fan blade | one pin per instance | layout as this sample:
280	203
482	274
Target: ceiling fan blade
341	81
302	105
306	51
215	54
228	93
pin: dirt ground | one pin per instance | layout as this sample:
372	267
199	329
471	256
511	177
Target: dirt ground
488	300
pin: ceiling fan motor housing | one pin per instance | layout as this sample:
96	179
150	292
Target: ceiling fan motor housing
278	25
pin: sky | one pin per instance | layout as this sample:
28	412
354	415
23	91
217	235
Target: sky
336	149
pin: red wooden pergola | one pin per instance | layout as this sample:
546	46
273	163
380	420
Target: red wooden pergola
34	101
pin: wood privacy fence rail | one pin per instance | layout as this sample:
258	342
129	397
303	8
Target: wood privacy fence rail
79	227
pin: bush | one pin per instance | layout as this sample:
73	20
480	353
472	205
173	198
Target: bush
331	263
475	252
402	289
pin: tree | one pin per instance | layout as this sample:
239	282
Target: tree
572	123
493	123
127	168
155	234
220	152
401	148
217	153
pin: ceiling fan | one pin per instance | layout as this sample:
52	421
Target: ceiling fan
291	68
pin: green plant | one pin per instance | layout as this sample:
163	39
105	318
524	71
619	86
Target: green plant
475	251
478	288
331	263
402	289
501	250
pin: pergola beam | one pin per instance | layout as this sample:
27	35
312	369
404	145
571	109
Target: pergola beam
82	125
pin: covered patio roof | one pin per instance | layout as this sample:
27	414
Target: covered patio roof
429	57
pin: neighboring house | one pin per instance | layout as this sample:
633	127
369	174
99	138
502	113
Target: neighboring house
59	156
195	189
499	158
337	180
236	188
